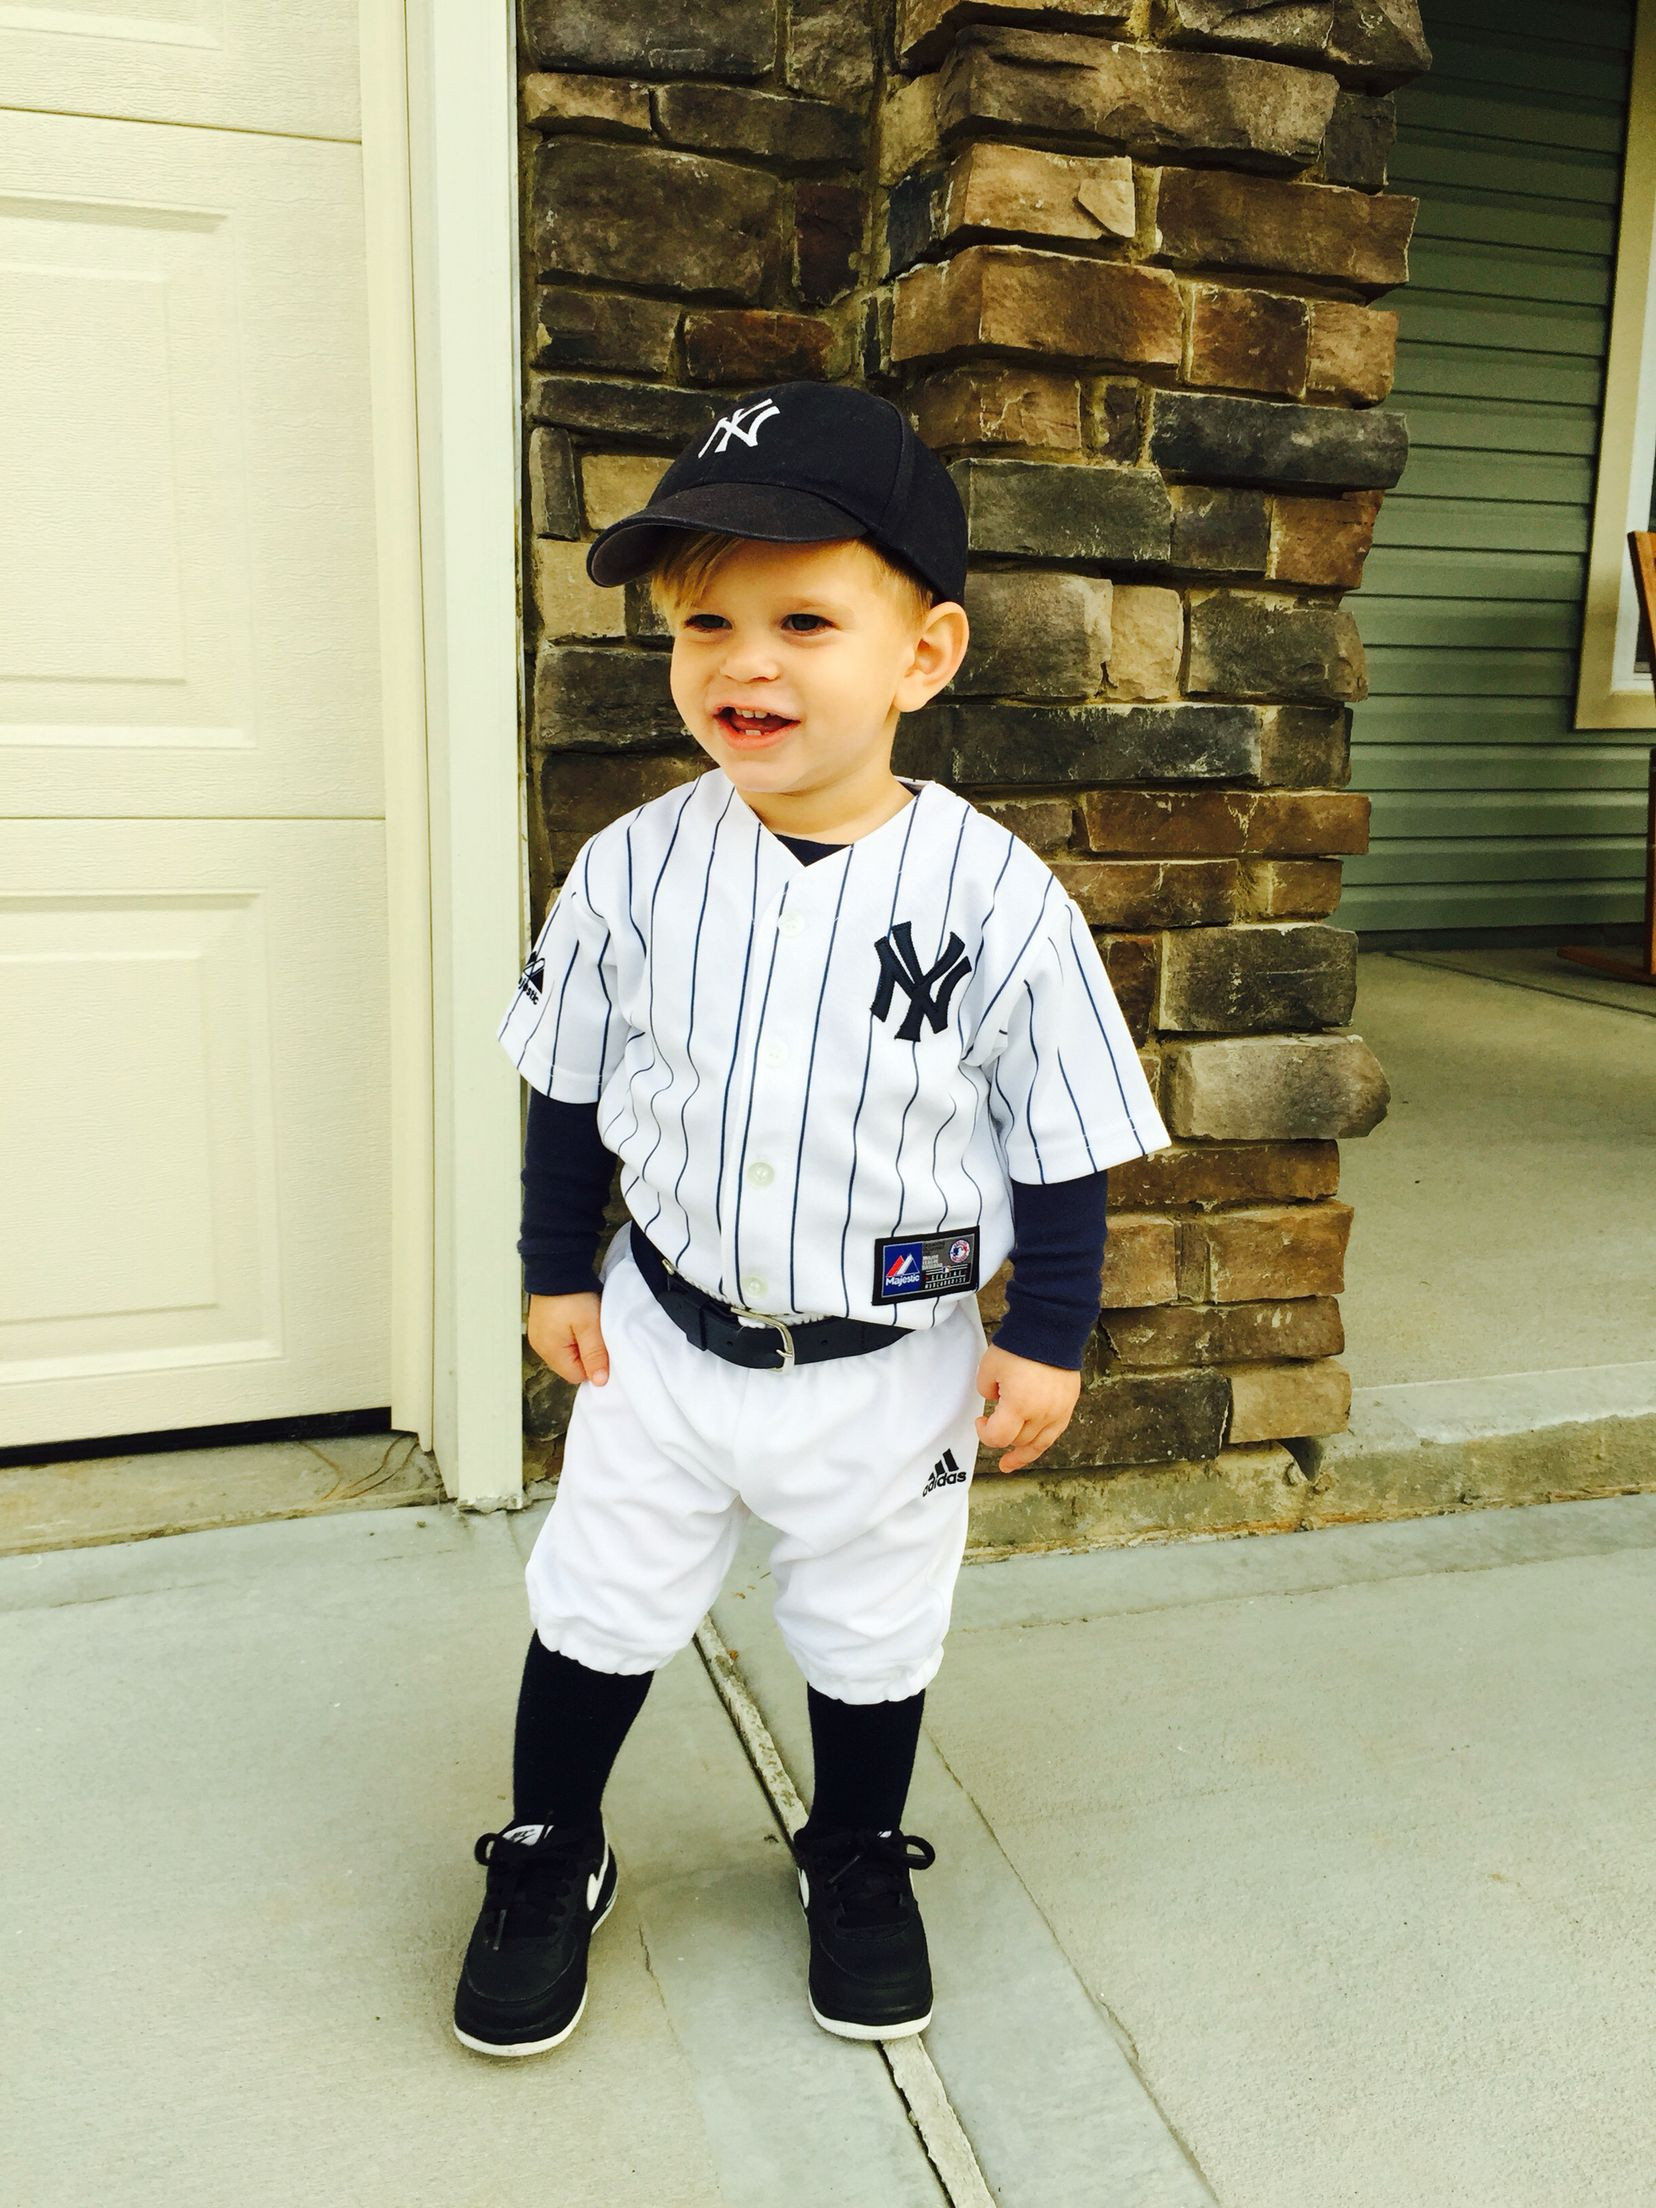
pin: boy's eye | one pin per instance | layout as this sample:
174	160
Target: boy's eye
696	619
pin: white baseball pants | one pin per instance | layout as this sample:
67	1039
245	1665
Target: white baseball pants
862	1465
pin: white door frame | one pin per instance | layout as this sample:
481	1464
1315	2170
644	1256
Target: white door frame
440	167
1610	692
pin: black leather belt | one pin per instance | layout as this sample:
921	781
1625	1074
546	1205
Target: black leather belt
713	1325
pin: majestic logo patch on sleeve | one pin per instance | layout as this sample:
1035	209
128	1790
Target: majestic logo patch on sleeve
907	1266
928	993
532	978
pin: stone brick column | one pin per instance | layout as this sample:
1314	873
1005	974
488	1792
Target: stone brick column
1117	263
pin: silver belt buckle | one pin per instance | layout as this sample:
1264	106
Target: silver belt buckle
787	1337
781	1328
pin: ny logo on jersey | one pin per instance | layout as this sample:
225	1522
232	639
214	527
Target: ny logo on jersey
928	993
532	976
742	421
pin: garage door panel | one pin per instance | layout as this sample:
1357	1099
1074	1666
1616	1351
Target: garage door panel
197	1073
184	457
234	64
138	991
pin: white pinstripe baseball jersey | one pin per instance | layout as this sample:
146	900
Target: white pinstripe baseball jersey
819	1078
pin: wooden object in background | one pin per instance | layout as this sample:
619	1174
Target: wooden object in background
1642	545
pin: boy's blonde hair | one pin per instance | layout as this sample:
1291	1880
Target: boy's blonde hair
684	570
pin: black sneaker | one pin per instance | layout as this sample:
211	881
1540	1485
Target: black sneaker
870	1975
523	1984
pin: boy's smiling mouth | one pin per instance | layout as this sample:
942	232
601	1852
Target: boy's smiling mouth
752	731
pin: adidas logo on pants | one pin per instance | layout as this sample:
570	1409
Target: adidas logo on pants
945	1473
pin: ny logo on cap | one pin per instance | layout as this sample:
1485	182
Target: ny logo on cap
743	421
928	993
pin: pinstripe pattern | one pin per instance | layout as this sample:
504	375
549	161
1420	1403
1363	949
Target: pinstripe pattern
849	858
771	1125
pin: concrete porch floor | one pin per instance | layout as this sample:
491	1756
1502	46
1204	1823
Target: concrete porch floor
1500	1299
1313	1872
1506	1205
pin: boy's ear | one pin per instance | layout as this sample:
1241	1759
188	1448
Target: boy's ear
939	649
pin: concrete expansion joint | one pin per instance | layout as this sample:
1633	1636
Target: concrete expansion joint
911	2069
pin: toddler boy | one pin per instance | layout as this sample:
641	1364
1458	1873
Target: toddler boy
853	1045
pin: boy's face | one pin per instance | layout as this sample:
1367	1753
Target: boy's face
811	633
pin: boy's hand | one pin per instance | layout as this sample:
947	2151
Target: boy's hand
1034	1405
564	1333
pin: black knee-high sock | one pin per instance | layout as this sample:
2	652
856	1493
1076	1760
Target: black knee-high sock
571	1722
863	1754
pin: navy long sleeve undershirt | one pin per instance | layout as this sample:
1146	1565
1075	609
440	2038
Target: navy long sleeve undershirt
1059	1227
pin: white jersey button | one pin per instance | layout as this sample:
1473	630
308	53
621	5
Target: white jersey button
775	1054
754	1288
761	1174
789	924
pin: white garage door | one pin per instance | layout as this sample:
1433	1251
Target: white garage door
193	986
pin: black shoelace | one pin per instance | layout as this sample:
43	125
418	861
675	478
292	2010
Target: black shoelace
535	1885
866	1875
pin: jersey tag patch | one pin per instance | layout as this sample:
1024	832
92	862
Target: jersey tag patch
906	1266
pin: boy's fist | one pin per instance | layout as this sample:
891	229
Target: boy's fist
1032	1405
564	1333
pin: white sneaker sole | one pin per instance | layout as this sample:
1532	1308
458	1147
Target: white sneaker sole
843	2030
536	2046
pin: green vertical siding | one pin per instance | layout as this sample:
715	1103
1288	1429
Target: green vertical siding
1489	809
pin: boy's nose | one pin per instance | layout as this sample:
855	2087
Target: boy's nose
746	656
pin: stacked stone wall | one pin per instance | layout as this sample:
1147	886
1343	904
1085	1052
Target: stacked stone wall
1118	260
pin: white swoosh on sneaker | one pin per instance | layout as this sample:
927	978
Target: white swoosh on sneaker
804	1891
595	1884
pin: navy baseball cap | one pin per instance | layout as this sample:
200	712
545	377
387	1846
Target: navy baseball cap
793	464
